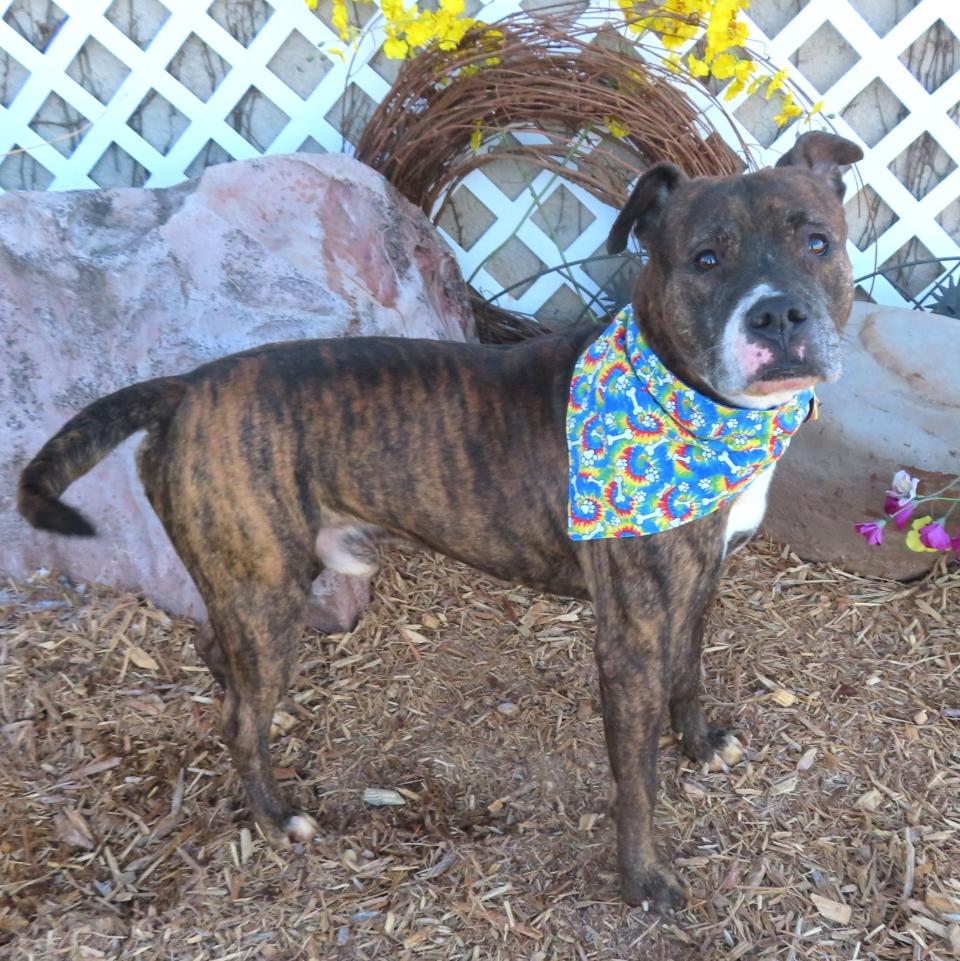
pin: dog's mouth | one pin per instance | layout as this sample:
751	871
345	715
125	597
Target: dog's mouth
784	376
769	373
773	384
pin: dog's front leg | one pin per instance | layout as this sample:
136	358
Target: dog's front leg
631	650
631	690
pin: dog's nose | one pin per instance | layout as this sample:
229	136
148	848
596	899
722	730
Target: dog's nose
777	319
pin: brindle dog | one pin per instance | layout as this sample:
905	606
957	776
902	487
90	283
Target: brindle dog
268	465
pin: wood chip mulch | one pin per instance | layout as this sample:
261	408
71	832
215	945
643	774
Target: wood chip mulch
473	706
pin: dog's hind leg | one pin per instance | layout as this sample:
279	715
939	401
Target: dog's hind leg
259	631
236	515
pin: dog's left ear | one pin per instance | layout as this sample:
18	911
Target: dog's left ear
823	153
642	211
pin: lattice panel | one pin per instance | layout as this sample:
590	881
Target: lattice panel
144	92
138	92
889	74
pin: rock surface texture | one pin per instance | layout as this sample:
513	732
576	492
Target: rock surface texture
99	289
896	405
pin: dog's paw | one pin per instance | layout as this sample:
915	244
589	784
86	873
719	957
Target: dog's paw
729	755
718	749
653	890
300	828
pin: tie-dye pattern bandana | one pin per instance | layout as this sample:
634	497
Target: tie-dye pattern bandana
647	452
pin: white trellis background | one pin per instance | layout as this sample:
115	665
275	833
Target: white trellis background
145	93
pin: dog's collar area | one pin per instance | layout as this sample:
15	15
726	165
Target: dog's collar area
649	453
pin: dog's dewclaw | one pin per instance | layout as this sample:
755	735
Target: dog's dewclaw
730	754
382	797
300	828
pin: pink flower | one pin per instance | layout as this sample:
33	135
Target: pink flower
900	509
903	486
935	536
901	498
872	532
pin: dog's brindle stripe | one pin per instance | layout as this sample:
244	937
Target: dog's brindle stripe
264	464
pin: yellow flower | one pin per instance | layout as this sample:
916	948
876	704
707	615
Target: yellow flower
816	108
913	536
724	9
672	40
722	31
341	19
697	67
724	66
452	29
737	33
788	111
395	48
734	90
616	128
776	82
421	31
476	138
744	70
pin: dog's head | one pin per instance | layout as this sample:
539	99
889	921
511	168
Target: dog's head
748	285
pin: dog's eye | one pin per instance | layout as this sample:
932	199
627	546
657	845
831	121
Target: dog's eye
818	244
706	260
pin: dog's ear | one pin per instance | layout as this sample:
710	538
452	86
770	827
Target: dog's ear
642	211
823	153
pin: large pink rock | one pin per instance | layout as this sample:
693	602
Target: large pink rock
896	405
102	288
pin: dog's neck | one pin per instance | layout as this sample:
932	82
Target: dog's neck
648	316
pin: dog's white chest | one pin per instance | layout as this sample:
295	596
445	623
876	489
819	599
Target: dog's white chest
748	509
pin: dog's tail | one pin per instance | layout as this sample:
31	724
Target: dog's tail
82	443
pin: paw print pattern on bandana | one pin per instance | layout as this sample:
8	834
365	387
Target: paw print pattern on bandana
647	452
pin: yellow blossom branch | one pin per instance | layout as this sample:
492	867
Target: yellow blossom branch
409	29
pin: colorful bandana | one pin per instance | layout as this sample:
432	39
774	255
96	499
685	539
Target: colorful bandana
647	452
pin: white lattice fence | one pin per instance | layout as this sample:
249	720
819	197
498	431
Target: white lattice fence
890	72
139	92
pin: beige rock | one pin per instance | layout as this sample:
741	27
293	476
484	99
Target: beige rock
896	405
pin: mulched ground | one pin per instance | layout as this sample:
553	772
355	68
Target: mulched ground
122	833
